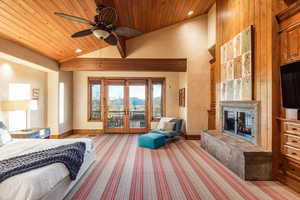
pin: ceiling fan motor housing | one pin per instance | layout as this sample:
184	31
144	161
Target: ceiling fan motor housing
101	34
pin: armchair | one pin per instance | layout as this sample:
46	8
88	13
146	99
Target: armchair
169	134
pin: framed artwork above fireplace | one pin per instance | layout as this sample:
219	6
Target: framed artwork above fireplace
237	67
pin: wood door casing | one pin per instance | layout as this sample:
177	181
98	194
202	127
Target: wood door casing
126	118
126	81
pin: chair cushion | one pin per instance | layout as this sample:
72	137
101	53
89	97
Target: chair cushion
151	140
165	133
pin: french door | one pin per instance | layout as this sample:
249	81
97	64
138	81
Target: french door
126	106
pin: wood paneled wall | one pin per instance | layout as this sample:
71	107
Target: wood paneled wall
233	16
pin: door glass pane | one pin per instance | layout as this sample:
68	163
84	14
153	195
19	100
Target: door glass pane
96	98
157	101
137	106
115	106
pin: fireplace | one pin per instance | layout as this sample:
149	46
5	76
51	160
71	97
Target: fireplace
237	145
240	119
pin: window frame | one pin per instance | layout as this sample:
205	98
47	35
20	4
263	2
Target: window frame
91	81
161	81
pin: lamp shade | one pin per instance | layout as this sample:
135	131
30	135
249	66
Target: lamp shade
15	105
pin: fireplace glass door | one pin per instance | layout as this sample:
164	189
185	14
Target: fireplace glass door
229	121
244	124
239	123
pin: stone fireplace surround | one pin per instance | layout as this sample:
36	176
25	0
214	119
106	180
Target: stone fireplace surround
249	161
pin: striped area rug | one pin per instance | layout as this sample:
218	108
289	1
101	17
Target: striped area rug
181	170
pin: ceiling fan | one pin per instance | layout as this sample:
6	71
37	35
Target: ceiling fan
104	25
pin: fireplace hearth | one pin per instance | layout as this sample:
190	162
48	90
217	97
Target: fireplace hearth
237	143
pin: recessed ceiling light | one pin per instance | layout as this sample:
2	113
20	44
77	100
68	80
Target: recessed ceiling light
190	13
78	51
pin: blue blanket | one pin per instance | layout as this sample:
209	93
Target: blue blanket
71	155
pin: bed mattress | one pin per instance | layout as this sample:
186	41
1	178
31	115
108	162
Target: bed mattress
38	183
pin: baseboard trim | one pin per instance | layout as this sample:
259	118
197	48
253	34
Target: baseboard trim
193	137
88	131
63	135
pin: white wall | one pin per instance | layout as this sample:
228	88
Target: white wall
212	26
67	79
189	40
15	73
52	102
80	106
19	54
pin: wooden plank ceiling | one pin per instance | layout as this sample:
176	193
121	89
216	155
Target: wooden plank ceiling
32	23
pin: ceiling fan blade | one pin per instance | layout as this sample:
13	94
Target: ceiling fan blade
82	33
127	32
111	40
76	19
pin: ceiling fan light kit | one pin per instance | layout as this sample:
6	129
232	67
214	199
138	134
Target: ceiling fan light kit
101	34
103	26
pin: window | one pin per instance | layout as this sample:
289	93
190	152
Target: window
61	103
157	99
94	99
17	120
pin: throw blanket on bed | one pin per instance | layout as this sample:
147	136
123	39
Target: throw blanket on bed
71	155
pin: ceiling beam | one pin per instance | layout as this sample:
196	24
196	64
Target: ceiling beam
119	64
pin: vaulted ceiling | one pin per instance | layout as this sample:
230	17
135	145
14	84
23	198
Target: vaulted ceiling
32	23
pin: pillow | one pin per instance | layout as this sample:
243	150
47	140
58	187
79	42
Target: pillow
168	126
162	121
5	137
160	125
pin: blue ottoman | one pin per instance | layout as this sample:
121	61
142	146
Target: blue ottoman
151	140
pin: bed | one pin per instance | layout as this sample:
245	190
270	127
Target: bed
49	182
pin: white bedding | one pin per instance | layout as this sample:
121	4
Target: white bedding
35	183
